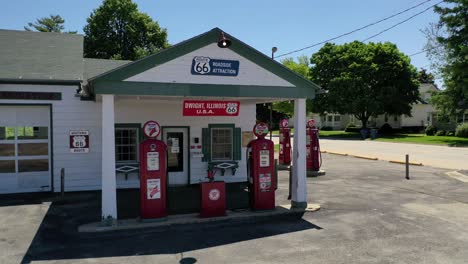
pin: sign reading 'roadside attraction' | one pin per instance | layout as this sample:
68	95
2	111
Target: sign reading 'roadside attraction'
207	66
211	108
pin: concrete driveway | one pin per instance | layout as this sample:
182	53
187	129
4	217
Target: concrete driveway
370	214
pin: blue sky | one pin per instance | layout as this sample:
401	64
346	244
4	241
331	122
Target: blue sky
286	24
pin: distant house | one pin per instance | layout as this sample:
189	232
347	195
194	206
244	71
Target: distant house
423	114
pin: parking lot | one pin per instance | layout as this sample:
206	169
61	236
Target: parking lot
370	214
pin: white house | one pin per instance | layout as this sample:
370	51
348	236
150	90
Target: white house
49	94
422	115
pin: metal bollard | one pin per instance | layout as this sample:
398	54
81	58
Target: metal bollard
62	182
407	167
290	182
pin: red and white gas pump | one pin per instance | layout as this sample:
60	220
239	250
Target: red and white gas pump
285	143
261	170
153	173
314	157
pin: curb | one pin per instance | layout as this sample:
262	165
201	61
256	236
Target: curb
346	154
335	153
232	217
309	208
403	162
365	157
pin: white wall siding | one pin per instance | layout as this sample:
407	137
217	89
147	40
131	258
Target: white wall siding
169	113
419	115
83	170
179	71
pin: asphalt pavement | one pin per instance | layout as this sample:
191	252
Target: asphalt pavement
369	214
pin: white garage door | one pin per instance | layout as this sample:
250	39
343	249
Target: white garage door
24	149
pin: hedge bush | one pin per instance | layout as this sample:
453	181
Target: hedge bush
462	130
440	133
352	129
386	129
431	130
327	128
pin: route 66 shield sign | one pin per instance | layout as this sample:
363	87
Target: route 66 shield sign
79	141
201	65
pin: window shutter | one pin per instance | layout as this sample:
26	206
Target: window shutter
237	142
206	144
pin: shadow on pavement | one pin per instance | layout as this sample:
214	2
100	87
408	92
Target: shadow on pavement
58	239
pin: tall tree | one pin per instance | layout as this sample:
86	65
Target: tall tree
364	80
117	30
425	77
301	67
53	23
453	38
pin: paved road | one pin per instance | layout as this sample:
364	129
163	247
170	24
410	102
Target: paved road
435	156
429	155
370	214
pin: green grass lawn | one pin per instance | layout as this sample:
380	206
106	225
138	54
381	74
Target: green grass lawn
402	138
276	132
451	141
339	134
423	139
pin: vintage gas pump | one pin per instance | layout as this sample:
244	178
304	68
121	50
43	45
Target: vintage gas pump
261	170
284	143
314	157
153	173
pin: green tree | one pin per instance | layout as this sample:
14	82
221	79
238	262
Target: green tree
117	30
53	23
364	80
425	77
301	67
452	36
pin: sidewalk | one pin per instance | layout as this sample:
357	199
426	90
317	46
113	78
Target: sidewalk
428	155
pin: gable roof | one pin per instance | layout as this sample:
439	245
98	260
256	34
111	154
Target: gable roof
113	82
40	56
95	67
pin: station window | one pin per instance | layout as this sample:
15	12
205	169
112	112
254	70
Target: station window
126	143
221	142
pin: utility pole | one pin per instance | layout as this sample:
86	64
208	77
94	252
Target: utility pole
273	50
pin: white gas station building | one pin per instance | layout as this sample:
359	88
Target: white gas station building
60	110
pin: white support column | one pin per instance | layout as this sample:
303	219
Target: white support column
299	183
109	199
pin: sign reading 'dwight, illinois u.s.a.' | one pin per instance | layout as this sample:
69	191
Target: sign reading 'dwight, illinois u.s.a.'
207	66
211	108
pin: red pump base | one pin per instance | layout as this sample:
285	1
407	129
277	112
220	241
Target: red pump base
213	200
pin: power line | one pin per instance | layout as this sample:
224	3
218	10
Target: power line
401	22
424	50
417	53
356	30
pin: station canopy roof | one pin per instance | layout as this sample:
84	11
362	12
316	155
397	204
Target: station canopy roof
236	71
